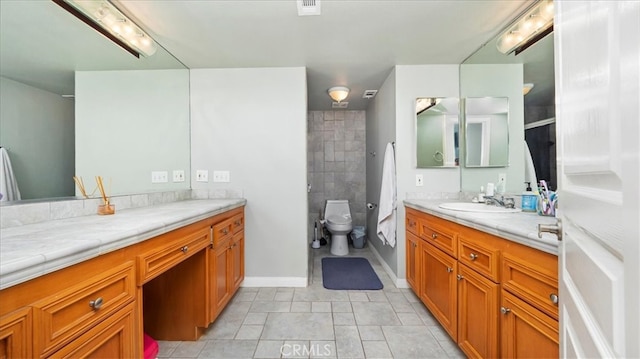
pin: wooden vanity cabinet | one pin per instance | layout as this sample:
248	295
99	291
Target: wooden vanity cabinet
495	298
226	262
167	286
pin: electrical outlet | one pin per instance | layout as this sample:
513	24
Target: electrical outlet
419	180
202	176
159	177
502	182
178	176
221	176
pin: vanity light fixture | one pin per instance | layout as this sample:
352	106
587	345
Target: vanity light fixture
423	104
105	18
526	88
533	25
338	93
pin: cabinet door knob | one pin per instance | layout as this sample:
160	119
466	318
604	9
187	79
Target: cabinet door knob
434	235
96	304
554	298
504	310
473	256
184	249
225	231
460	277
449	269
238	222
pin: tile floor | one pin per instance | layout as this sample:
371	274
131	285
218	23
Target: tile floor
315	322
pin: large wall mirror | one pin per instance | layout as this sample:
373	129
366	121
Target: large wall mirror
437	131
42	47
487	132
531	115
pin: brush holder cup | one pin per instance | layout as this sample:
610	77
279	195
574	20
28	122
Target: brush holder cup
106	209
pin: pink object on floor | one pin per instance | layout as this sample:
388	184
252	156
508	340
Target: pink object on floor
150	347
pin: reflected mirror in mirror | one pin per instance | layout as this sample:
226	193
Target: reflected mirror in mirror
437	132
42	46
487	132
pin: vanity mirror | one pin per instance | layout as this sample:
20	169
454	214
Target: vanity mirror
42	47
437	131
486	132
489	73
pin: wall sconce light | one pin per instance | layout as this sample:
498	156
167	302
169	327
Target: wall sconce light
532	26
526	88
105	18
338	93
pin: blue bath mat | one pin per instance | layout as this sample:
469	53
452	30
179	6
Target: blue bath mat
352	273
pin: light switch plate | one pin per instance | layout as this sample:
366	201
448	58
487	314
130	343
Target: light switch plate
419	180
159	177
221	176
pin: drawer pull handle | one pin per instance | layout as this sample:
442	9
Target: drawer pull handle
434	235
449	269
225	231
96	304
460	277
554	298
473	256
184	249
504	310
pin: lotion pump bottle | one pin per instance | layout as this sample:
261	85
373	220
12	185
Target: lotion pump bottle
529	199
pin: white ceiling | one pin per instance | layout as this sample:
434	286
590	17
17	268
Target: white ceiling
353	43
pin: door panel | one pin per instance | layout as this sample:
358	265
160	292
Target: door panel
597	58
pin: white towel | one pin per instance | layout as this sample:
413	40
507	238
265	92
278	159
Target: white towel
529	168
387	208
8	185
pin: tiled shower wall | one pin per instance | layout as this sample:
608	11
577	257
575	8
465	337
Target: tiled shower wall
336	168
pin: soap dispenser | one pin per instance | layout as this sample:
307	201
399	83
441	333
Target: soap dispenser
529	199
481	195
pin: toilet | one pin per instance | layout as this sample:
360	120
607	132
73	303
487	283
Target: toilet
337	220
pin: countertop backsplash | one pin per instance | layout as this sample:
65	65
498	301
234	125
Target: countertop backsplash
18	214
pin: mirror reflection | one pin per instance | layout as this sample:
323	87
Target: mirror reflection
437	131
42	47
487	132
536	118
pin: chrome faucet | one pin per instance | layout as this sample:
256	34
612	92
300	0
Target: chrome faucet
506	202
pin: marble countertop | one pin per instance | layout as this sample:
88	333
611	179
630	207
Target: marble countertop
520	227
29	251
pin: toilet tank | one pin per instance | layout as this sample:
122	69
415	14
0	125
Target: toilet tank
336	207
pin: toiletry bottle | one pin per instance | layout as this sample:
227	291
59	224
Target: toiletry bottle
529	199
481	195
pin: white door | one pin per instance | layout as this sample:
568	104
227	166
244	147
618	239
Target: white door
597	47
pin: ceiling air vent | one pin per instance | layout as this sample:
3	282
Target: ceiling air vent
340	104
308	7
369	94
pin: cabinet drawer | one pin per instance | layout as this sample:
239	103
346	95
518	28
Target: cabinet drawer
411	223
237	223
222	231
535	283
441	237
155	262
67	314
112	338
479	256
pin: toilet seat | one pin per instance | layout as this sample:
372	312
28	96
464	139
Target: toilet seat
339	223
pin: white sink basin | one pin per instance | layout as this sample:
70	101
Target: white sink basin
477	207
